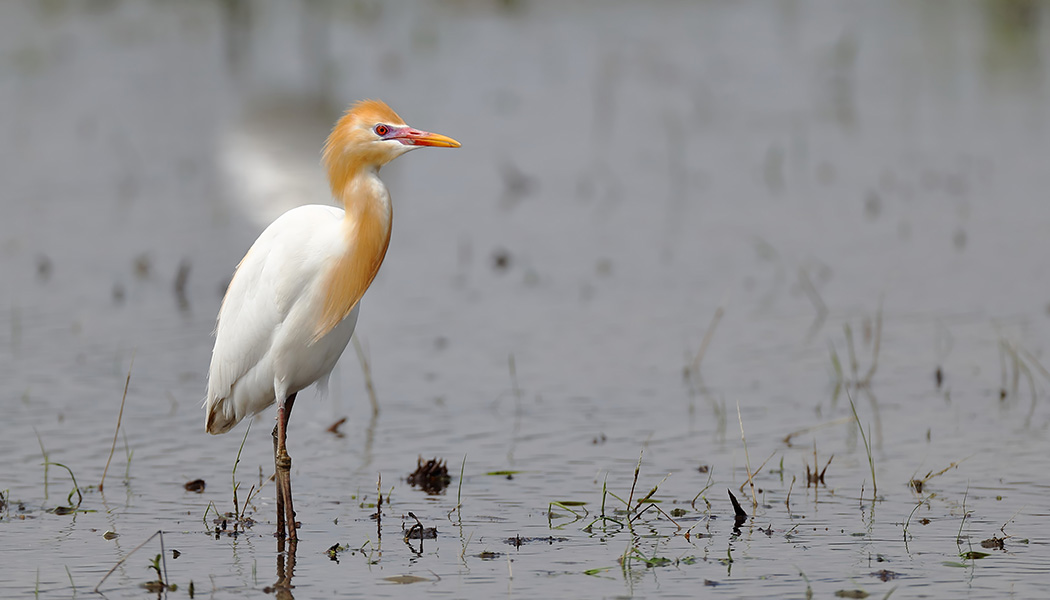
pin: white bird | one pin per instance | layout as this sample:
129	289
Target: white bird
292	305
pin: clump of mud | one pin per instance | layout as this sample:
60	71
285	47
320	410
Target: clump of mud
431	476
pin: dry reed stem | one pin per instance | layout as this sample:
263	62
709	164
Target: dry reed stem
758	470
867	448
747	459
839	421
704	343
367	371
875	348
818	303
120	416
136	549
630	497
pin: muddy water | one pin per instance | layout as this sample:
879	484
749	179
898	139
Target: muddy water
625	173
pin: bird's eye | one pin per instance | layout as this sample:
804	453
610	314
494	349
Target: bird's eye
381	129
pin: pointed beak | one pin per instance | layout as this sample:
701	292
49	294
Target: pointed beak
415	137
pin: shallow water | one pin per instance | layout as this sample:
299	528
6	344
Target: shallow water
636	169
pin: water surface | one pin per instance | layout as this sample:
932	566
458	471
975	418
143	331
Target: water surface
626	172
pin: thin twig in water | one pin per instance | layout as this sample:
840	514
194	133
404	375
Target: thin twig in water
76	488
369	385
853	365
630	497
1035	361
747	459
867	447
704	343
233	474
651	492
47	462
907	521
710	482
757	471
958	537
459	492
818	302
136	549
839	421
120	415
875	348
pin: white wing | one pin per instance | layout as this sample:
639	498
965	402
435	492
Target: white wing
262	318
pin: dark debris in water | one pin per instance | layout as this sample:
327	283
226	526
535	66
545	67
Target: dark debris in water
518	541
740	515
431	476
501	260
814	477
334	428
229	524
885	575
197	485
974	555
333	551
996	543
851	594
418	532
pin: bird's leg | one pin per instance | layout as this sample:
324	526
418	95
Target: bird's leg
282	476
277	485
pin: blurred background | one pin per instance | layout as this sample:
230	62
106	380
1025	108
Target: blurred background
627	169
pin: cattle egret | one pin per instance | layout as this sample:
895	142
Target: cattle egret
293	302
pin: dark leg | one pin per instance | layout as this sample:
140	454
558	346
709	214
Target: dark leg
282	475
277	486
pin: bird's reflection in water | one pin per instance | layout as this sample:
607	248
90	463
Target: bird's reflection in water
285	570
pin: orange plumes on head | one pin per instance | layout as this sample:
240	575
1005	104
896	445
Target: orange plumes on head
349	148
367	137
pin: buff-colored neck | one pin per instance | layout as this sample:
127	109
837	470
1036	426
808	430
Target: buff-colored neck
366	227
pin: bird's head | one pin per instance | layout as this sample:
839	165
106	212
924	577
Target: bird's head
370	135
